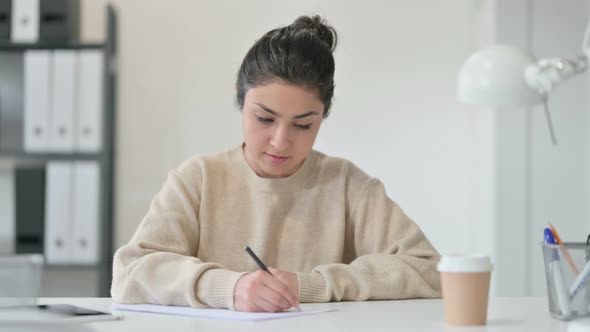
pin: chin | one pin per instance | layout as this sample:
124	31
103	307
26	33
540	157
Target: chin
276	172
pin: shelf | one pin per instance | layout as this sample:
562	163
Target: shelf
72	266
25	156
6	45
14	157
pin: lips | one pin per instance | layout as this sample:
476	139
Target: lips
276	158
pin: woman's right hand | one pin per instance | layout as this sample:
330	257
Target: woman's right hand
260	291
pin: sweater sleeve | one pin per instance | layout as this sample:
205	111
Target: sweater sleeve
390	257
160	265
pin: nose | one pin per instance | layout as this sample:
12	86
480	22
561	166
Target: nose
280	139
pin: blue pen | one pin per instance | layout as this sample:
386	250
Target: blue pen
555	271
548	235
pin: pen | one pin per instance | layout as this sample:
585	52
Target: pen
260	263
257	260
557	276
566	253
580	280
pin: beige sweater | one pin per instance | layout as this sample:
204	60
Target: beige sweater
329	222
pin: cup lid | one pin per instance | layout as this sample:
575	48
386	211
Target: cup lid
465	263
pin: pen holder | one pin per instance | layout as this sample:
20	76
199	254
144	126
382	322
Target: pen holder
20	279
569	292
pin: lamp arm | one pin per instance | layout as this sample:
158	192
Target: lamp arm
546	73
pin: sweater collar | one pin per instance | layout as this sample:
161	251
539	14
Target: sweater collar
289	183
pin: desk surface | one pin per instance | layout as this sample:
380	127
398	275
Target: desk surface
504	314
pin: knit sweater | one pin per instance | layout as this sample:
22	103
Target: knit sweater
329	222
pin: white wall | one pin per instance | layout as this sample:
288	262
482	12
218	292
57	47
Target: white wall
537	182
559	191
394	112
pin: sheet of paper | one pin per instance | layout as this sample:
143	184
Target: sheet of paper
223	314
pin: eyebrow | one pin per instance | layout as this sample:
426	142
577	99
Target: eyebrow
298	116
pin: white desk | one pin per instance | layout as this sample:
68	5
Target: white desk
504	314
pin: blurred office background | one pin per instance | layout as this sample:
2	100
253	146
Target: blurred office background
476	180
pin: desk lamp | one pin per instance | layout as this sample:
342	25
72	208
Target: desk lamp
506	76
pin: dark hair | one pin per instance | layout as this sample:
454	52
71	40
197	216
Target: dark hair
300	54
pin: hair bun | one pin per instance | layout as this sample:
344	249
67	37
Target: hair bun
316	25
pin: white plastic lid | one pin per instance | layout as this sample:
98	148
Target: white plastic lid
465	263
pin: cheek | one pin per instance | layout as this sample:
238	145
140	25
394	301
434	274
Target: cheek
305	141
254	133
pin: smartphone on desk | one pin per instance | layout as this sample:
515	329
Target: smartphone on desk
71	312
54	313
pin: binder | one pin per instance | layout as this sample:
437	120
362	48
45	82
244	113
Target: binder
29	195
37	100
25	21
63	88
90	101
11	101
7	215
86	216
58	212
5	14
59	20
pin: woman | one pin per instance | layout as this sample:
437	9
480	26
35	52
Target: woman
328	229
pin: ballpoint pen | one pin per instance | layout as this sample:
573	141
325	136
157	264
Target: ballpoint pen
260	264
257	260
566	254
584	275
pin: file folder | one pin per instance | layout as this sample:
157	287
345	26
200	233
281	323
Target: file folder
64	90
5	14
7	201
25	21
11	101
37	101
90	101
86	230
58	207
59	20
29	197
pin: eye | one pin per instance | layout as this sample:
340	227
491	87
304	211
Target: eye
303	127
264	120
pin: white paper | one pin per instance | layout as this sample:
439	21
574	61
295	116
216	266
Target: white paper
222	314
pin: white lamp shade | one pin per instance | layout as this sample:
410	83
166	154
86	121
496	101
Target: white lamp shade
495	76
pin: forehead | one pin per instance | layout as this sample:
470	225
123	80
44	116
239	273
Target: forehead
284	98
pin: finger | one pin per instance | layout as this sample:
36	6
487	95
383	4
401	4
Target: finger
263	302
272	297
253	307
283	290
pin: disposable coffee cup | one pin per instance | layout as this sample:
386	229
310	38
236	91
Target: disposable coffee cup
465	282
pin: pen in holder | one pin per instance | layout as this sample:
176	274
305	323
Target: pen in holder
564	286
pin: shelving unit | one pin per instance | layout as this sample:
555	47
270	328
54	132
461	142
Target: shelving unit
12	147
